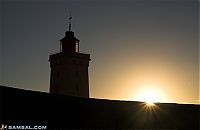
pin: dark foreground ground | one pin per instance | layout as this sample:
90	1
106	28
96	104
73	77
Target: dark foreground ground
23	107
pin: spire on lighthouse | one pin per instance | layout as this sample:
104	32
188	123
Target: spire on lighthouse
70	21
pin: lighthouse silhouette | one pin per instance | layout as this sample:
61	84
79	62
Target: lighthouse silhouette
69	67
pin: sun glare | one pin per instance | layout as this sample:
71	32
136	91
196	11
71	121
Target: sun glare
150	96
149	103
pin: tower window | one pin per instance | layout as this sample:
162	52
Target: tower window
77	47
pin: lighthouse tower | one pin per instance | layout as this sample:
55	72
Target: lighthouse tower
69	67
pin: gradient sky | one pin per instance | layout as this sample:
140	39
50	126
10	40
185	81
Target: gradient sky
135	45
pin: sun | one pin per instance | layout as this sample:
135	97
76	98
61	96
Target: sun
150	96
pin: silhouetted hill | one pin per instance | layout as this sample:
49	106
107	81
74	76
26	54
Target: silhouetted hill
23	107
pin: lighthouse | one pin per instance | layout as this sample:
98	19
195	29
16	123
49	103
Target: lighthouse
69	67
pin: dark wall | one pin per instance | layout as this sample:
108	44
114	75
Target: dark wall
22	107
69	74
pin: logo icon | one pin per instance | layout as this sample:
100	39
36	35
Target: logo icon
3	127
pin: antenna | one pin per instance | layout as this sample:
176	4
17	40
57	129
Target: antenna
70	21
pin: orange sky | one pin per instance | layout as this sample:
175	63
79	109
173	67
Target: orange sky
135	45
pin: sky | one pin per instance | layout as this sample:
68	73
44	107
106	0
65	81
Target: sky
136	46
